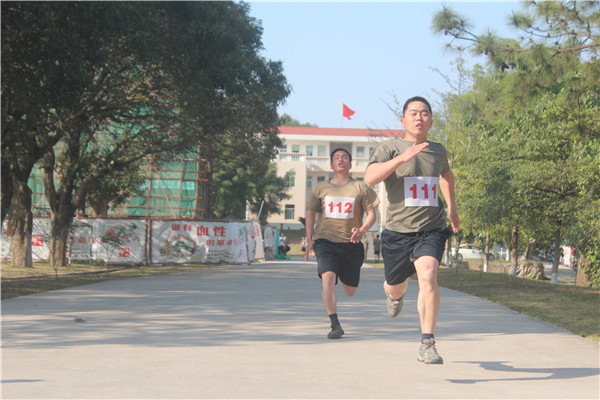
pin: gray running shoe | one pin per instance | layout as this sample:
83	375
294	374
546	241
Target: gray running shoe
336	332
394	306
428	354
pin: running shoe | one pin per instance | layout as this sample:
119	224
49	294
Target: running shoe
336	332
428	354
394	306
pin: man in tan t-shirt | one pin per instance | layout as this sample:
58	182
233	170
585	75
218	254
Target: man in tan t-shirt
415	171
337	237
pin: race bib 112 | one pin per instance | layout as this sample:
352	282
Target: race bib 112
339	207
421	191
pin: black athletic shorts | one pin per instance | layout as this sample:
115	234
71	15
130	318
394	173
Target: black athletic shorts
344	259
400	250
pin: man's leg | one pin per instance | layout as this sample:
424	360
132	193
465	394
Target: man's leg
428	305
395	297
329	297
348	290
328	292
395	291
428	302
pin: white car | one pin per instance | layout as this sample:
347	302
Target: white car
472	252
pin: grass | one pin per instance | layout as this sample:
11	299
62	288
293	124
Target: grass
42	277
566	306
572	308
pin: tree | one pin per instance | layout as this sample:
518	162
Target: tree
286	120
113	190
243	177
549	80
227	88
51	52
145	76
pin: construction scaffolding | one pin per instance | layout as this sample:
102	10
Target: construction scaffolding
173	190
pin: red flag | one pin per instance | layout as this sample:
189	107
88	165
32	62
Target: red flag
346	111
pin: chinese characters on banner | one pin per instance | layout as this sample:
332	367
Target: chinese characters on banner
135	241
204	242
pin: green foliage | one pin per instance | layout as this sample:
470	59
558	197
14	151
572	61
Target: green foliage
114	189
243	175
91	89
286	120
528	130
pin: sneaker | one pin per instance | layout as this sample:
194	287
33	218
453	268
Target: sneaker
428	354
336	332
394	306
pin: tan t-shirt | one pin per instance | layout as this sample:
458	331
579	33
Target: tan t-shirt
341	208
413	190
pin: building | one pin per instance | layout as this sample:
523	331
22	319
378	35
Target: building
173	190
304	157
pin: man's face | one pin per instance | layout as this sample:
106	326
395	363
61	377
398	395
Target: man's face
417	120
340	161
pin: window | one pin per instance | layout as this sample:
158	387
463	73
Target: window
295	148
371	150
320	179
321	150
309	180
309	150
360	151
291	177
283	148
289	211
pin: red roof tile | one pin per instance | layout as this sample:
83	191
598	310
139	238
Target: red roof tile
305	130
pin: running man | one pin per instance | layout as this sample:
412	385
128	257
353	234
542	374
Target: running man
415	171
377	247
337	237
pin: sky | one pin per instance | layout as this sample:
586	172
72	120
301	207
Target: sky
365	54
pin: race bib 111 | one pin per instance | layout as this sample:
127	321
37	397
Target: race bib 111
421	191
339	207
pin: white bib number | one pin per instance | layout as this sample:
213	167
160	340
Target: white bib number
421	191
339	207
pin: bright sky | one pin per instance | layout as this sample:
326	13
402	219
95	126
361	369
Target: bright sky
361	54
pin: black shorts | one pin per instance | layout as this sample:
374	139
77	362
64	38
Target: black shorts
400	250
344	259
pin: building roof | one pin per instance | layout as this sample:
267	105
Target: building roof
307	130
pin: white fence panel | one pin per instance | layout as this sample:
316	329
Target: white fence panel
40	240
135	241
118	241
185	241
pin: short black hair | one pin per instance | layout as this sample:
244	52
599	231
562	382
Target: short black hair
339	149
412	100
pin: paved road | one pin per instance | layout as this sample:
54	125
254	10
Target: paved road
258	331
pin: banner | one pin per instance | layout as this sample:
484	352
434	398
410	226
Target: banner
40	240
184	241
120	241
139	241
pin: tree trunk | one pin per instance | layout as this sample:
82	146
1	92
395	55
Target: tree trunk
205	210
486	250
62	211
529	250
583	280
557	252
20	224
448	249
6	189
514	243
101	210
61	225
455	260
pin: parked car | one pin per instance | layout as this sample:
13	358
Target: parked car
473	252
